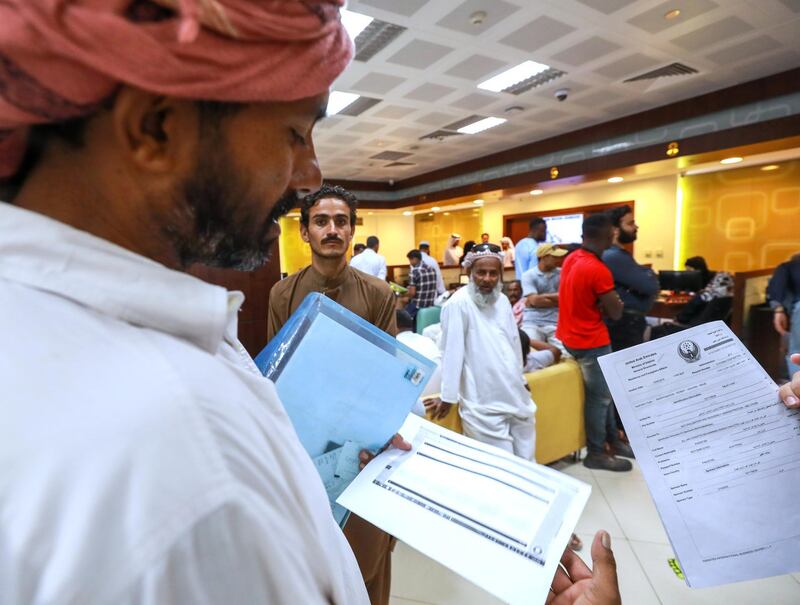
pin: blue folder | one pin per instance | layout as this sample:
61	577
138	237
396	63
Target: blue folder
345	384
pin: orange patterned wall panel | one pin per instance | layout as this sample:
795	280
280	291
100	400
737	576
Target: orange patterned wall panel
742	219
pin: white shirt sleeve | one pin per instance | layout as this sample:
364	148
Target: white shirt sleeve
236	555
452	344
382	268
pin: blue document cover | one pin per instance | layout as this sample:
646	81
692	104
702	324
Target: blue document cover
345	384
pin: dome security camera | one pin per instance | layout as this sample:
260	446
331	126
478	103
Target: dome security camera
561	94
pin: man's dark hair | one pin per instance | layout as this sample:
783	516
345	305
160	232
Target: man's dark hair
414	254
426	246
535	222
327	191
595	225
525	343
616	214
372	242
404	320
359	247
482	234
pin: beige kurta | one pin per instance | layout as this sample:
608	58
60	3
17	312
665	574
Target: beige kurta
372	299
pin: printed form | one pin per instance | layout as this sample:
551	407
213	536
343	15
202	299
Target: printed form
500	521
719	451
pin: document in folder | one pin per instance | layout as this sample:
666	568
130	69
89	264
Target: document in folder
345	384
719	451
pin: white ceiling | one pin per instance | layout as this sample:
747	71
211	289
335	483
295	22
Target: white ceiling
427	77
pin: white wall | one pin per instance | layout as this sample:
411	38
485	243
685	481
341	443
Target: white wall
395	231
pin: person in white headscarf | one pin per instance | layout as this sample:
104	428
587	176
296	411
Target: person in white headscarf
453	252
481	360
507	246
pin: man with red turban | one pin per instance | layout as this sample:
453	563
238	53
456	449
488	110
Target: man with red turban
144	458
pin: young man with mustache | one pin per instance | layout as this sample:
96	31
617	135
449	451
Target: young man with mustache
327	224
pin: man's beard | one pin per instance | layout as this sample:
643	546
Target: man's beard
481	299
223	230
625	237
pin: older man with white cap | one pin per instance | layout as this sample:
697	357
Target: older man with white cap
482	360
425	250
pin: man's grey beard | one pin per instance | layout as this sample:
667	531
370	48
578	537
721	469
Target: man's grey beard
481	299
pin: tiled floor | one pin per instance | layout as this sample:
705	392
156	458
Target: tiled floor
620	504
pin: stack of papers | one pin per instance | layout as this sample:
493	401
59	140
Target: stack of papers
345	384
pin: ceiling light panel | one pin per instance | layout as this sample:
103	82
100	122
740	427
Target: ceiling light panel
481	125
338	100
515	76
354	23
359	106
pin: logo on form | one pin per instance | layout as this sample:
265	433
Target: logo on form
689	351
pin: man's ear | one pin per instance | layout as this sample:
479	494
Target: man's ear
158	134
304	232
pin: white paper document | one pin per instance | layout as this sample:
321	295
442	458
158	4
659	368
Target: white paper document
499	521
719	451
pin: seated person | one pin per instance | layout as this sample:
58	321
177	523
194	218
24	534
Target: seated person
698	263
536	354
712	303
540	291
514	293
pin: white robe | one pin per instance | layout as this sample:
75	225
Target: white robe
144	458
482	371
451	256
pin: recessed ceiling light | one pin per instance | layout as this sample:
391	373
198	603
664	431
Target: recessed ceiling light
354	23
436	208
512	76
672	14
616	179
769	167
478	202
447	214
734	160
297	218
481	125
370	213
537	192
407	213
338	100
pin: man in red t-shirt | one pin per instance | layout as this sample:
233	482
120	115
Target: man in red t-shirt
585	295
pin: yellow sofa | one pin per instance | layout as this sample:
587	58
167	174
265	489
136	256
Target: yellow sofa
558	393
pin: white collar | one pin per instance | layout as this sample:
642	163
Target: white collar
42	253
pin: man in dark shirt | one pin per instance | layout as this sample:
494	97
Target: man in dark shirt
636	285
422	284
585	295
783	293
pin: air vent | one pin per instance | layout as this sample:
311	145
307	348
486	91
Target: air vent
673	69
399	164
390	155
534	81
439	135
359	106
375	37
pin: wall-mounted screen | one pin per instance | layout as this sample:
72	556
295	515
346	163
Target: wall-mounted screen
565	228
